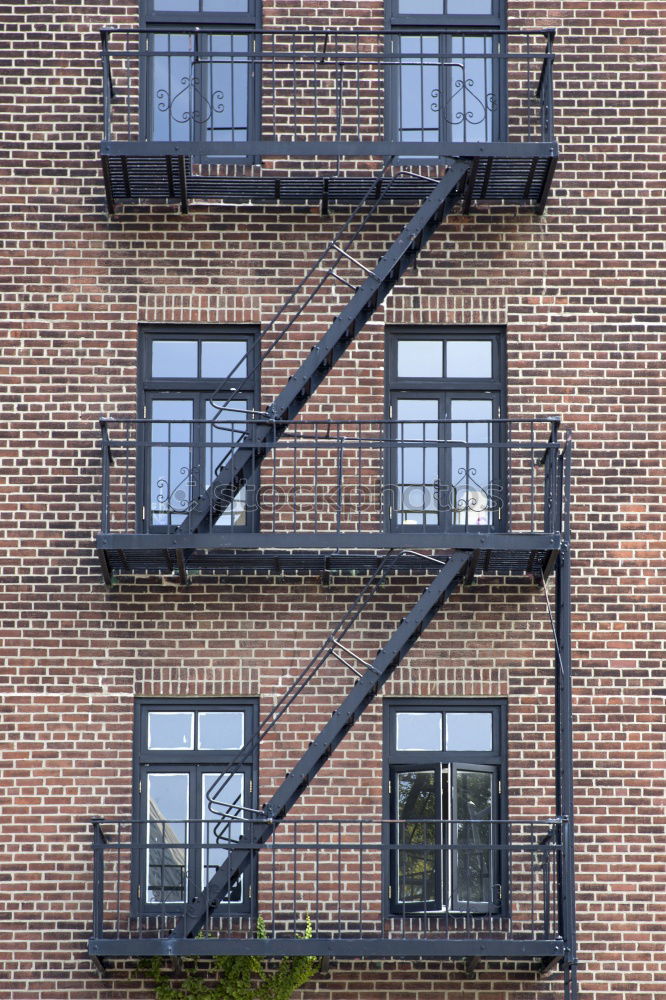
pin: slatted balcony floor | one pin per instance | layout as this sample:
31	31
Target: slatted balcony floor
126	557
137	172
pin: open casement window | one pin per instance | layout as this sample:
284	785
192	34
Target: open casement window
199	81
445	780
192	428
446	398
180	841
446	85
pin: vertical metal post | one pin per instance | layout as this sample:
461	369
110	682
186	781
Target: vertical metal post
564	733
548	131
106	477
98	880
107	85
552	493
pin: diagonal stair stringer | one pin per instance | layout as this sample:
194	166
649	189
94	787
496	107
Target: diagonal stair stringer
300	387
406	634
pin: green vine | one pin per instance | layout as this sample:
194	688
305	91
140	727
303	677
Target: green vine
234	977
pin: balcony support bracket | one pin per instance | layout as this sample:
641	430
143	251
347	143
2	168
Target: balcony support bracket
182	176
548	965
471	965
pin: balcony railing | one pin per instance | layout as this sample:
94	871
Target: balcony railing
364	884
336	483
302	93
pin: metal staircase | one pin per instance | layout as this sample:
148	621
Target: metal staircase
451	574
243	463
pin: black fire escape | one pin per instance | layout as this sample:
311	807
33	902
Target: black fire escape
231	495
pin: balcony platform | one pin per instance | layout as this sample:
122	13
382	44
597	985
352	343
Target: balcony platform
297	873
316	113
123	557
330	498
514	173
386	948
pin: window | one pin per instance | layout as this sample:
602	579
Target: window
200	81
181	749
193	425
445	800
446	82
446	393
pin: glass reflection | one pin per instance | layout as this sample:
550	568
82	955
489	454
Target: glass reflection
219	358
421	6
469	359
470	7
417	465
418	731
420	359
168	811
225	113
221	730
226	426
172	476
417	805
419	87
474	836
221	829
227	6
184	6
172	87
471	462
470	102
174	359
170	730
470	731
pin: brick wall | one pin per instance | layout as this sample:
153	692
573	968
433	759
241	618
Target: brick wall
579	293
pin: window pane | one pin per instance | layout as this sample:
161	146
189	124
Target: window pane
224	111
222	826
417	466
472	490
171	730
219	359
167	812
469	731
417	805
175	359
419	89
177	5
418	731
420	359
172	478
172	87
421	6
221	730
474	796
225	428
469	359
470	7
227	6
471	99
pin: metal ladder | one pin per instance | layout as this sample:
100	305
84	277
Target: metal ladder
450	575
238	468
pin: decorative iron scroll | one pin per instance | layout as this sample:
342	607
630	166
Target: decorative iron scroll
464	87
177	500
203	108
